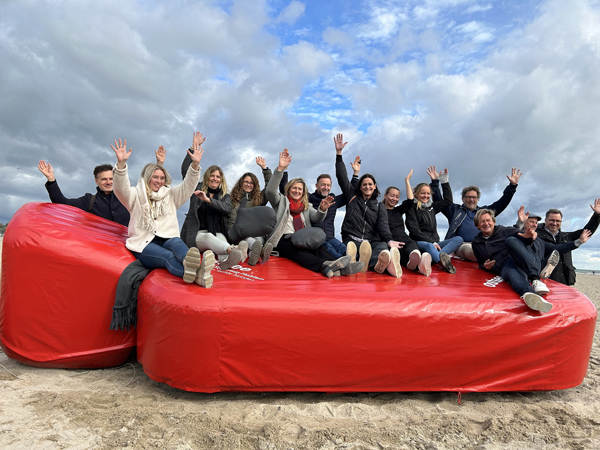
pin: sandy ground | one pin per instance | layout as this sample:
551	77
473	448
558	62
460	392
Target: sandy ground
122	407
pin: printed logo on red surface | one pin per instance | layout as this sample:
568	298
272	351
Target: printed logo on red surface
493	282
239	272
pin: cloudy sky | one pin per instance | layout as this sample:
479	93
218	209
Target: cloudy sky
474	86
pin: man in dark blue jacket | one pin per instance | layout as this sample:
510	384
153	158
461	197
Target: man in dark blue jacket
461	218
517	256
103	203
333	246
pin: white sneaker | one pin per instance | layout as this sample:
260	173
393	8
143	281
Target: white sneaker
383	261
536	302
425	264
255	253
243	247
553	260
540	287
394	268
413	260
232	259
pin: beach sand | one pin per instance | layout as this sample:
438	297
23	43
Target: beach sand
123	408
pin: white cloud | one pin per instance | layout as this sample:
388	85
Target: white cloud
291	12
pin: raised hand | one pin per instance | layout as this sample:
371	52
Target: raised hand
514	176
523	216
161	154
260	161
326	203
432	172
596	206
284	160
585	235
356	165
409	191
339	143
47	170
123	155
409	176
198	140
530	233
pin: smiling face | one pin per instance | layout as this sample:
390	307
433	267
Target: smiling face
486	225
532	223
157	181
470	200
104	180
247	184
424	194
214	181
391	198
367	187
553	222
324	186
296	191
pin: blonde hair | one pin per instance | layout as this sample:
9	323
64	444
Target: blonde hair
207	174
147	173
417	191
304	190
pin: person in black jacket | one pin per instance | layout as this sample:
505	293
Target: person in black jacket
503	251
102	204
422	224
366	221
550	231
323	185
410	255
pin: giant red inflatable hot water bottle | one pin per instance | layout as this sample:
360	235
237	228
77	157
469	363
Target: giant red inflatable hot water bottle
60	268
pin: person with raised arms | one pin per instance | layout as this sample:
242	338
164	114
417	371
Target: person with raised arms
294	236
422	224
153	226
205	224
366	224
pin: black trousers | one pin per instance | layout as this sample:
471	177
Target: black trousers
309	259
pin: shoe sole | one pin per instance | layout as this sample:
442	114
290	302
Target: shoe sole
425	264
266	252
413	260
351	251
542	291
550	265
364	254
447	263
191	262
383	260
395	262
255	253
203	276
243	247
336	265
536	302
352	268
233	259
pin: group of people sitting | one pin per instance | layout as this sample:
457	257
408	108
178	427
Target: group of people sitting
383	236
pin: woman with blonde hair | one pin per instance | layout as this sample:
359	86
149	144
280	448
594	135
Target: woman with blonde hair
294	216
422	224
205	224
153	227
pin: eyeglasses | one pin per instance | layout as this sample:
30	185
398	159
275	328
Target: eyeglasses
249	183
471	197
555	220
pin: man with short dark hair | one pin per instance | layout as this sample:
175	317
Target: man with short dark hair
503	251
461	217
550	232
323	185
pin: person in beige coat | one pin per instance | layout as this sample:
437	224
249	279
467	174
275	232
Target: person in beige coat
153	226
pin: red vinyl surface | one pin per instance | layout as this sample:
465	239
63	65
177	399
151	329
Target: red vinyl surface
278	327
60	268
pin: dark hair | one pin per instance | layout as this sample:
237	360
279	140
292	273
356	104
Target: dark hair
323	175
102	168
481	212
471	188
387	191
238	191
553	211
357	190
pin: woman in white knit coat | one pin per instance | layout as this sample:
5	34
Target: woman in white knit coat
153	227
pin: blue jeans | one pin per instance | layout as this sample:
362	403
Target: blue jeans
521	266
335	247
448	246
164	253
